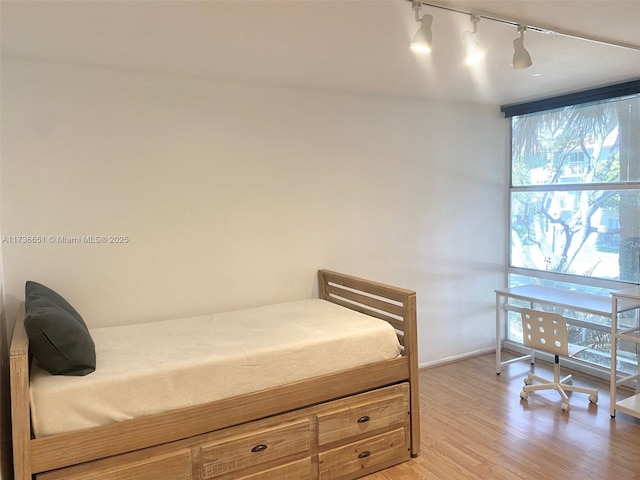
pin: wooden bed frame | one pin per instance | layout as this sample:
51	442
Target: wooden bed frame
176	430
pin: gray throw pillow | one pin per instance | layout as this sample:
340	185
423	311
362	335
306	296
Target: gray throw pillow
58	336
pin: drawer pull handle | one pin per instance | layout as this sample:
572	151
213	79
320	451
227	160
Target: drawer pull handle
364	454
259	448
364	419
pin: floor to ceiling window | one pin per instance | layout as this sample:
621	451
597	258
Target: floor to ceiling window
575	204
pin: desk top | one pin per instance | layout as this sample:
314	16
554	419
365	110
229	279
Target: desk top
630	293
584	302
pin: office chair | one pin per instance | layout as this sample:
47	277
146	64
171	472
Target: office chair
547	332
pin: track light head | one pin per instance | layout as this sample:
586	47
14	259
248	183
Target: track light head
422	40
472	49
521	58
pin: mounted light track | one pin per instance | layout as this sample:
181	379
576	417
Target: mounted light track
540	28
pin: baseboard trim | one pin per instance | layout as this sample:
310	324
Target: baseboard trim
456	358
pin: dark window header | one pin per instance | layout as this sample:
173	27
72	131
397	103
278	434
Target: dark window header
587	96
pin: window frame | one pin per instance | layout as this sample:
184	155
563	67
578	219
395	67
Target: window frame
610	92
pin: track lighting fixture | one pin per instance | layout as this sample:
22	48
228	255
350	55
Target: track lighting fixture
422	39
521	58
472	50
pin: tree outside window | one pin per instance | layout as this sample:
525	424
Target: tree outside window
575	197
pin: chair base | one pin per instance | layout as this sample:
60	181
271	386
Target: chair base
562	386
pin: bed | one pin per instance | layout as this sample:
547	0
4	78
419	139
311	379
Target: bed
344	415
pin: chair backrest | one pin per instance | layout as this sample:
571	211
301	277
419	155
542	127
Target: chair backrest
545	331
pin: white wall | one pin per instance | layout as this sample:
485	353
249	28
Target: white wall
5	395
234	195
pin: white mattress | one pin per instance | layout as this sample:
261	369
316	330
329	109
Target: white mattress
150	368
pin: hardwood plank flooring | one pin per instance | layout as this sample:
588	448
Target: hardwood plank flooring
475	426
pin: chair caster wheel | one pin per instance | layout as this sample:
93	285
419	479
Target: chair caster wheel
524	395
593	398
565	407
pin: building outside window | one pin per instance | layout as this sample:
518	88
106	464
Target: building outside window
575	210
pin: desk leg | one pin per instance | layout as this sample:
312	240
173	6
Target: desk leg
613	390
498	331
501	326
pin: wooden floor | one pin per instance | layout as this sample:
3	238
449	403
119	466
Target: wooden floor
474	426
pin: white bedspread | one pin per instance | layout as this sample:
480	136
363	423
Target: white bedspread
150	368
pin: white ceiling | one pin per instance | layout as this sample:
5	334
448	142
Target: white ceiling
344	45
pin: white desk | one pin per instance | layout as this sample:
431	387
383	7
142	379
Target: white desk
631	404
558	297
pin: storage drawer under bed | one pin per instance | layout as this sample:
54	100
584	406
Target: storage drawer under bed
247	450
174	465
363	457
369	414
